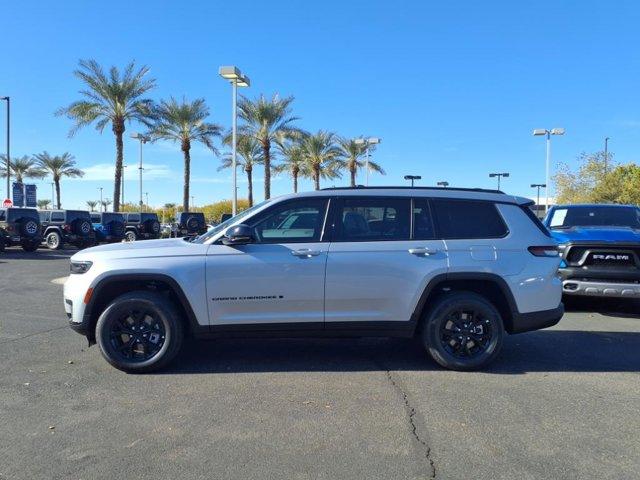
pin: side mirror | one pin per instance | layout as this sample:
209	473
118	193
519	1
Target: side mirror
238	235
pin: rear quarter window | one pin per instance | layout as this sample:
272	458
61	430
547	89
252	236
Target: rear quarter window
462	219
57	216
133	217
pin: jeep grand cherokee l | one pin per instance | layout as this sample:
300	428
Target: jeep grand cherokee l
457	268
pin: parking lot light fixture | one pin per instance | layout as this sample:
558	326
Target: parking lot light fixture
8	100
444	184
366	142
142	139
412	178
538	186
237	79
538	132
499	175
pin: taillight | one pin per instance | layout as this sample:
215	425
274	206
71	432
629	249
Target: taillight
544	251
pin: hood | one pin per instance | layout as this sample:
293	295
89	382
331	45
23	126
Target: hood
596	234
169	247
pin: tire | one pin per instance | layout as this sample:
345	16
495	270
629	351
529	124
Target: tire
30	245
192	224
130	236
81	227
53	241
29	228
152	315
465	315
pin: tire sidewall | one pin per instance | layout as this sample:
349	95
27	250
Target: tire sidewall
130	236
165	312
438	314
58	246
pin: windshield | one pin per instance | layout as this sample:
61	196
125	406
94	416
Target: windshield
595	216
222	226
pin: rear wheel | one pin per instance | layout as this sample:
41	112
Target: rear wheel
140	332
53	241
30	245
463	331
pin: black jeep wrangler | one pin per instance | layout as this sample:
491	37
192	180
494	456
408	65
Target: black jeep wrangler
189	224
141	226
67	226
20	226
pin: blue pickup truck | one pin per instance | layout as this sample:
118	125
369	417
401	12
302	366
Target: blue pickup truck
600	248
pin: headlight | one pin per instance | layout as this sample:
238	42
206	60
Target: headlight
80	267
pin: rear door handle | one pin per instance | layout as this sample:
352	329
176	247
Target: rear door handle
305	253
423	251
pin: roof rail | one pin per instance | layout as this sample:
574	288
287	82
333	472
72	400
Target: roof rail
405	187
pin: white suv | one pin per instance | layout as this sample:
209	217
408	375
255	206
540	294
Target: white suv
456	267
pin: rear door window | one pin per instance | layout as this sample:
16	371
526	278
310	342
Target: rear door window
422	221
362	219
461	219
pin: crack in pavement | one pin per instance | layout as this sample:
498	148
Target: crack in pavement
32	335
411	411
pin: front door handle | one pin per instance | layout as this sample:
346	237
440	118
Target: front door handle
305	253
423	251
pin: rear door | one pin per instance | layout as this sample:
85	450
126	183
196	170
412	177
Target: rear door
381	257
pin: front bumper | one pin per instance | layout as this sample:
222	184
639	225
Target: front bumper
526	322
600	288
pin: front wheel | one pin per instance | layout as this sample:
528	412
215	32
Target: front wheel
140	332
130	236
54	241
463	331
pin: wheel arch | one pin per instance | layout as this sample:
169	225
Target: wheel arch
491	286
109	288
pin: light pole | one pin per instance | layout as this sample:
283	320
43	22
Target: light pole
499	175
8	100
539	132
412	178
101	205
143	139
606	154
366	142
237	79
146	194
193	201
444	184
538	186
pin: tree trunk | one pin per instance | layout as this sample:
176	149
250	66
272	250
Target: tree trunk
249	185
57	182
186	147
316	178
118	130
294	173
353	170
266	147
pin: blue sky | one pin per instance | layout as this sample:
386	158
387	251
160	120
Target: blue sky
453	88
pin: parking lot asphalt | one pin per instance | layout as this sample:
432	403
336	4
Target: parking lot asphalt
562	403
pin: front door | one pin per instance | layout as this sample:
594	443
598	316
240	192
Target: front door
277	279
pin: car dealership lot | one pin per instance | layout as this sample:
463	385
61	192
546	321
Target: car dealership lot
558	403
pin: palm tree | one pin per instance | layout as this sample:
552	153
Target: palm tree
352	152
58	166
92	204
249	154
21	168
105	204
266	121
322	156
293	160
185	123
114	98
43	204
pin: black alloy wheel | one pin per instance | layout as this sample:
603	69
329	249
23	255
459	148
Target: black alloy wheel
139	332
463	331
